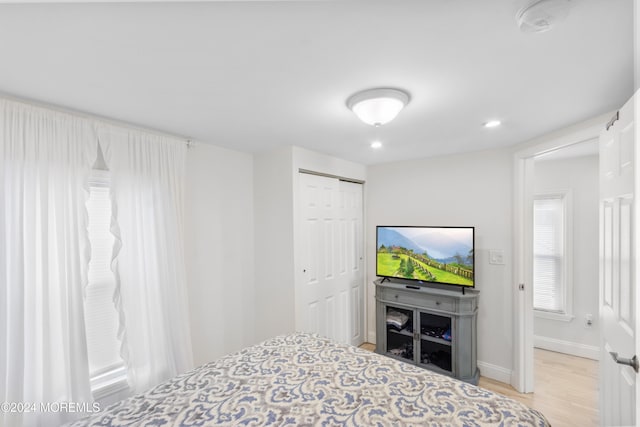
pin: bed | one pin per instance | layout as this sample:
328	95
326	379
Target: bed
304	379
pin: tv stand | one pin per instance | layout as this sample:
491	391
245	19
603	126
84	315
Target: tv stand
431	328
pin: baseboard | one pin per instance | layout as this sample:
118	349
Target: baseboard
494	372
567	347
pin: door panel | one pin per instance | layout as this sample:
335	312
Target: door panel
617	270
313	317
342	247
607	250
626	285
332	238
354	278
330	317
312	240
329	246
356	313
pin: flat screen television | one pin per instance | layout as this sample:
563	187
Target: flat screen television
441	255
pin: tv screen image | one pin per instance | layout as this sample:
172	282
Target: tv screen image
426	254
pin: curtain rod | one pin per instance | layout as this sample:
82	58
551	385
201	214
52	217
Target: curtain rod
91	116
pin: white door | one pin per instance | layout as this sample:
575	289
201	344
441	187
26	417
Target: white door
618	270
329	297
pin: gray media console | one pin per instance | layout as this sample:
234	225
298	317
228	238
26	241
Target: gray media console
432	328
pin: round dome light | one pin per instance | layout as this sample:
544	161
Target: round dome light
378	106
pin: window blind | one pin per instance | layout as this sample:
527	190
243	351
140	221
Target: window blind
548	254
101	316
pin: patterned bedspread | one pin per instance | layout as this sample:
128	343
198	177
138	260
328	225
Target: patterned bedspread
303	379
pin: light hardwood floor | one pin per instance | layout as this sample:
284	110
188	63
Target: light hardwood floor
566	388
368	346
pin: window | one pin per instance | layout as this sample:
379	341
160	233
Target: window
106	367
551	260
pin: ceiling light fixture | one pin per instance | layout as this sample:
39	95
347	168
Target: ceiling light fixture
492	123
539	16
378	106
376	144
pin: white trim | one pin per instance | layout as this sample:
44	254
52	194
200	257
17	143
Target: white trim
365	285
371	336
636	185
550	315
495	372
111	389
522	375
588	130
110	383
567	347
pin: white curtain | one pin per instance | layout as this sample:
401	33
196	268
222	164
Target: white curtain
45	160
148	190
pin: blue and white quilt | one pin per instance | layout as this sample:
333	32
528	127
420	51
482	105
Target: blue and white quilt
306	380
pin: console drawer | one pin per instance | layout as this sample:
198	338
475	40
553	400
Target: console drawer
412	298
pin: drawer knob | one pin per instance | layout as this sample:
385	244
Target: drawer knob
396	296
437	302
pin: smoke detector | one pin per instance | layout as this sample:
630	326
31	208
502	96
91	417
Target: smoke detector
539	16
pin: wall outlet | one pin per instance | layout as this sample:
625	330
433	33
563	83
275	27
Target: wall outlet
588	320
496	256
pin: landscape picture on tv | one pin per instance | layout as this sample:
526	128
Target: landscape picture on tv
426	254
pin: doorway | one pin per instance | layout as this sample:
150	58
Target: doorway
565	259
565	250
578	137
619	391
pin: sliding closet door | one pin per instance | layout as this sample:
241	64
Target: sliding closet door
351	265
329	293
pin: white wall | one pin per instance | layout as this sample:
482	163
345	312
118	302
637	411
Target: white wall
273	204
580	175
636	45
473	189
219	249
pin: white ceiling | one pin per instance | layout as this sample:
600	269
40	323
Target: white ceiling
253	76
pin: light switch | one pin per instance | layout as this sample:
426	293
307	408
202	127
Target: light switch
496	256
